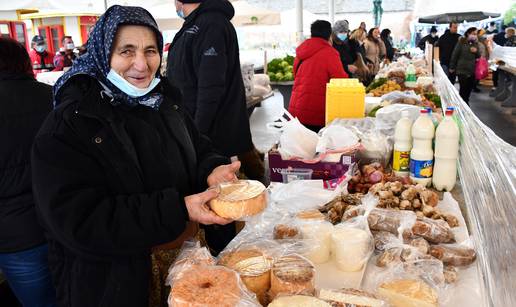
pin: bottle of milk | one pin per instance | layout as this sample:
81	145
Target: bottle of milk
402	145
447	139
410	76
422	155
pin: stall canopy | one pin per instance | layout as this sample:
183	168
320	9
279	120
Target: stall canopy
457	17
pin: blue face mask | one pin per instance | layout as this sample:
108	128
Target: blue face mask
128	88
181	14
342	36
40	48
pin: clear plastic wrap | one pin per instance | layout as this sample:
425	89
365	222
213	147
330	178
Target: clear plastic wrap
196	282
239	200
505	54
487	176
351	297
292	274
298	300
317	235
352	244
453	254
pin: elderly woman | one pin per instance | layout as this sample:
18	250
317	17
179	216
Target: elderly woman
119	168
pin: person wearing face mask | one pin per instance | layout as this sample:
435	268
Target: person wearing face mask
446	44
120	171
204	63
491	29
375	49
41	60
387	40
65	57
341	44
463	62
316	63
431	38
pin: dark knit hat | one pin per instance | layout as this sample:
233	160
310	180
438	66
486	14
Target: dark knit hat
190	1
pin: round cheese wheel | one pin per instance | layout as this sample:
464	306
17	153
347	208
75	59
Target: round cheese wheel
239	199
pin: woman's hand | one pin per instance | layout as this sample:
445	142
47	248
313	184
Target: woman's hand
223	173
473	49
352	69
198	210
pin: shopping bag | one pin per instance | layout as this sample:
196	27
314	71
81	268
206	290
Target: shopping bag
481	68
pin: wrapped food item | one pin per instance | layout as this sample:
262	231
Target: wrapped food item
254	268
389	220
352	244
292	274
408	293
451	274
453	254
382	238
318	233
389	256
240	199
195	282
434	231
298	300
284	231
351	297
420	244
310	215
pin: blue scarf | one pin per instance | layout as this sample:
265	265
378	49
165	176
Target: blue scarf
95	62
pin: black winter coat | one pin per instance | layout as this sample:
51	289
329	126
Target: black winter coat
431	40
447	43
203	62
109	184
389	48
24	104
347	57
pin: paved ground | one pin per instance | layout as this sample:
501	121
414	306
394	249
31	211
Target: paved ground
494	116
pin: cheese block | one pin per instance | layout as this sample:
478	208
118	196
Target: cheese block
239	199
351	248
350	297
298	301
409	293
254	269
318	236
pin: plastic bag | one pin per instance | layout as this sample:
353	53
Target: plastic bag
399	96
195	281
292	274
317	236
481	68
387	117
336	138
239	200
262	79
296	141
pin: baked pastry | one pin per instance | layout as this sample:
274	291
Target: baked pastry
310	215
298	300
239	199
292	274
206	286
350	297
254	269
282	231
408	293
453	255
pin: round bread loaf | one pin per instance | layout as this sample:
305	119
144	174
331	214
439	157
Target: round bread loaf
239	199
292	274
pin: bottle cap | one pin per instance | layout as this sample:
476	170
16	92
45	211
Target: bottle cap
449	112
423	111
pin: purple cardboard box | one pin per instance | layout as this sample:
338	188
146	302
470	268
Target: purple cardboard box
321	170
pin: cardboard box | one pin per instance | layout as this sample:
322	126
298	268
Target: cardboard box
321	170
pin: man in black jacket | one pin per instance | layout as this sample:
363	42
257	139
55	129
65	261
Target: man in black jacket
447	43
24	104
431	38
203	62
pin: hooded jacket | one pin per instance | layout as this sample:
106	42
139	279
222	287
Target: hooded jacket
446	45
204	63
24	104
430	39
316	63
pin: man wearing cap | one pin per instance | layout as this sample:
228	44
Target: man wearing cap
430	38
340	42
41	60
65	57
204	63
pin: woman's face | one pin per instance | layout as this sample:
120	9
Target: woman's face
376	33
135	55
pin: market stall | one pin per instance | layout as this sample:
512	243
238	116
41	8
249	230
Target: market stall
344	225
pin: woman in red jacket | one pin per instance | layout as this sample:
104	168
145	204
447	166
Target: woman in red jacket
316	63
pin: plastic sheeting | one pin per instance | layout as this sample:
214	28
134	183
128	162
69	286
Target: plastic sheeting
487	170
506	54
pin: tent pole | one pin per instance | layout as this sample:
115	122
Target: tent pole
105	5
331	11
299	16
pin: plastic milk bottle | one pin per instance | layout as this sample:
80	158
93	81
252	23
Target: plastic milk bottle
446	153
402	145
410	76
422	155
